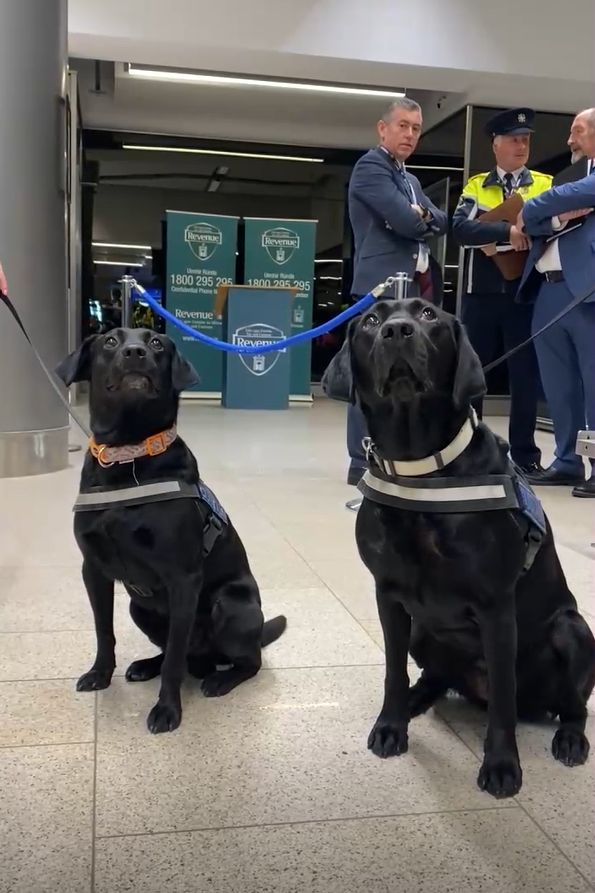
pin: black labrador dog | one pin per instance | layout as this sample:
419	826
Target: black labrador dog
202	610
453	587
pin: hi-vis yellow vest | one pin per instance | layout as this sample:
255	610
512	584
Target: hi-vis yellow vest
486	189
482	193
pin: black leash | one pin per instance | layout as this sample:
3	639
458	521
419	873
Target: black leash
509	353
49	375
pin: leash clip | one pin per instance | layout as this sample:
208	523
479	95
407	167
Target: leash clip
368	448
100	459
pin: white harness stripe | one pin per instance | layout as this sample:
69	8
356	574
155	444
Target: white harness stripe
450	494
112	496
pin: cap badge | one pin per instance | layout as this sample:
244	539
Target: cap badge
521	118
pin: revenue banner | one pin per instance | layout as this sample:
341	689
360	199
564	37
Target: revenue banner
277	254
200	256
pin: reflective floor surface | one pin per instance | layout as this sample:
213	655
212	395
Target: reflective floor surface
270	790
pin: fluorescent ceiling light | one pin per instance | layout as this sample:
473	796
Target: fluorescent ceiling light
328	260
117	263
188	151
331	277
120	245
224	80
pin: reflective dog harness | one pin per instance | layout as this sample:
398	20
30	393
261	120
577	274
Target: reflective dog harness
486	493
102	499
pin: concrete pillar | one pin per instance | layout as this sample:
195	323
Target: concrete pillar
33	62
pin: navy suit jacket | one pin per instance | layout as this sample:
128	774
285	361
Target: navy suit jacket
577	248
386	229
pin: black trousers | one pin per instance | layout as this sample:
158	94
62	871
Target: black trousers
495	324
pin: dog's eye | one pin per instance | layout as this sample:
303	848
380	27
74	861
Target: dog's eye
428	313
370	321
110	341
156	344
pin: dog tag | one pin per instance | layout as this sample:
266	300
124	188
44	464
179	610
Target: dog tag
209	498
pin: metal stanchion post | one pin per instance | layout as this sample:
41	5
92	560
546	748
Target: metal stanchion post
400	285
127	283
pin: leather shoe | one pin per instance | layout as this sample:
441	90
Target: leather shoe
553	477
586	490
533	469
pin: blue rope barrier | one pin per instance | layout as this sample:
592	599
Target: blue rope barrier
345	315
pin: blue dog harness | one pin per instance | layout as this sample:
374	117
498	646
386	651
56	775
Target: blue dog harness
102	499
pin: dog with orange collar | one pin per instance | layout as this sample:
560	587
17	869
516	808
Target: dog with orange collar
144	517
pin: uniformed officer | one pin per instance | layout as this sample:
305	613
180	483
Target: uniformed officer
495	321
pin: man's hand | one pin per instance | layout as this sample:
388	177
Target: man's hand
3	283
518	240
419	209
573	215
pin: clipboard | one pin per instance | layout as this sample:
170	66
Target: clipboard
510	263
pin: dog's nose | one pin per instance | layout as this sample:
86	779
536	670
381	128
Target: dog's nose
134	351
397	328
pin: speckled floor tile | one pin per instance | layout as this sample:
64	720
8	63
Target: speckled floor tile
287	746
44	713
496	851
559	799
46	804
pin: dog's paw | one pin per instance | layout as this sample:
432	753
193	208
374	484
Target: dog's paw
387	739
95	680
164	718
500	776
570	746
220	683
143	670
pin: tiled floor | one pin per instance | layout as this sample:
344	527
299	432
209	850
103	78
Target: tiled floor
270	790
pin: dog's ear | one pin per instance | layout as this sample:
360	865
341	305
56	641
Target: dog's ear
337	381
469	380
77	365
183	373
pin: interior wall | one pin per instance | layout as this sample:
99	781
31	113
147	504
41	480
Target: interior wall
133	214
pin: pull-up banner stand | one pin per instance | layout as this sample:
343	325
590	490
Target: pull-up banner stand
280	254
200	257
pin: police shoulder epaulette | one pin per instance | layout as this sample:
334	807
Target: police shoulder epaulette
541	176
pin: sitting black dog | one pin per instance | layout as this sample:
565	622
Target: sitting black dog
466	571
144	517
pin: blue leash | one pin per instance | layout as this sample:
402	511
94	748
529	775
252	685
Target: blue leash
275	346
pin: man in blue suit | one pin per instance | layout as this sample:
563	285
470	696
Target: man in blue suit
391	219
560	268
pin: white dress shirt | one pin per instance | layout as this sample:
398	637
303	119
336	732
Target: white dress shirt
516	175
423	254
550	262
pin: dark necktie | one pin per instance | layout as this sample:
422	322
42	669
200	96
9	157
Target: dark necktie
508	185
407	184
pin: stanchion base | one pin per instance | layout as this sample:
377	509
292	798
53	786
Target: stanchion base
354	504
